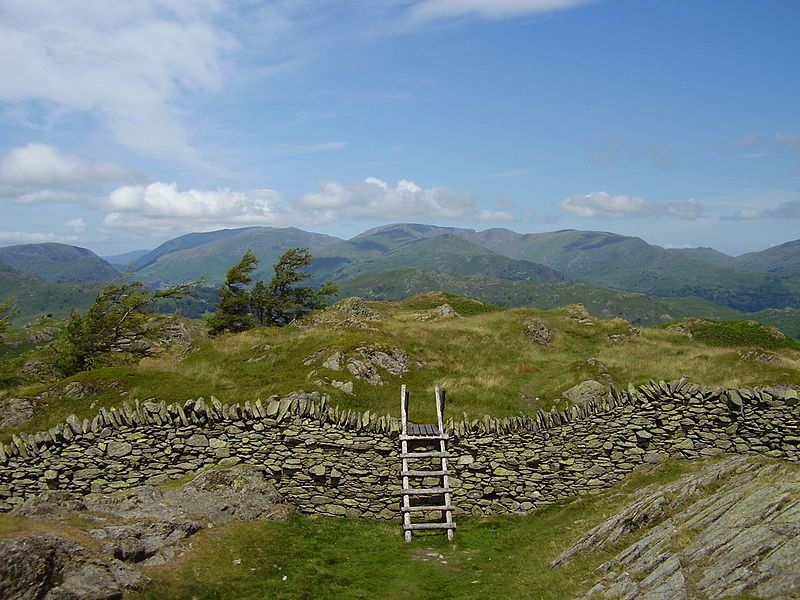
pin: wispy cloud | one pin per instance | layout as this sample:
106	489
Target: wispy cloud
374	198
433	10
784	210
788	140
504	174
39	173
294	149
601	205
606	153
127	64
77	225
26	237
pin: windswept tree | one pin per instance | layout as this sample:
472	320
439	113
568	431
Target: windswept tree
284	298
233	308
121	324
6	314
260	301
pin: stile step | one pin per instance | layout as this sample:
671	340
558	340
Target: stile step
423	508
424	473
413	526
433	438
425	455
425	491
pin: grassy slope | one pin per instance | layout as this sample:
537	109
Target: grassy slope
179	262
486	361
495	557
455	255
638	308
628	263
58	263
32	297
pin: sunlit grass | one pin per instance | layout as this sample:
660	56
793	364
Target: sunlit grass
487	361
503	556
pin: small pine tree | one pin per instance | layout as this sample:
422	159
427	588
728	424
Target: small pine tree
233	308
118	326
285	300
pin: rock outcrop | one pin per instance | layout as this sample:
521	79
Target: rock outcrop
53	568
539	331
350	313
15	412
731	529
586	392
142	525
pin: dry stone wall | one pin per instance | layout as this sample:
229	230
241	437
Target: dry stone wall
335	462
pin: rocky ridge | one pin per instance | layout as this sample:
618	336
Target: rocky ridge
733	528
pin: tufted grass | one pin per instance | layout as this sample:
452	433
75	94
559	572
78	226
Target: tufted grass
486	360
502	556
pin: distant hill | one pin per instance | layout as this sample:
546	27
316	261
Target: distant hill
638	308
210	255
707	255
58	263
122	261
615	275
449	253
620	262
782	260
32	297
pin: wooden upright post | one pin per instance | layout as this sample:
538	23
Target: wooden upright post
441	396
404	396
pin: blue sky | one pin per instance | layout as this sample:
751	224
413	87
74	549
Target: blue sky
123	124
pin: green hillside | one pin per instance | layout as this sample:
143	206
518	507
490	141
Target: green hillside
638	308
210	255
33	297
628	263
782	260
491	361
58	263
452	254
598	259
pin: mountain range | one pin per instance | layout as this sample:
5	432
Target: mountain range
614	273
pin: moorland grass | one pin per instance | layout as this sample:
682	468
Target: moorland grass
737	333
502	556
488	363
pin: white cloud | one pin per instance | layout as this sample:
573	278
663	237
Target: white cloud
431	10
77	225
376	199
163	206
601	205
126	63
46	172
680	209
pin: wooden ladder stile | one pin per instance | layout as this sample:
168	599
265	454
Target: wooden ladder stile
432	434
